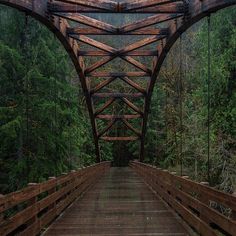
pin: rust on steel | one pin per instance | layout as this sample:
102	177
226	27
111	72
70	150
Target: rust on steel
39	204
199	205
178	16
118	204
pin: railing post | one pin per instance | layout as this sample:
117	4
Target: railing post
51	191
233	214
31	202
1	214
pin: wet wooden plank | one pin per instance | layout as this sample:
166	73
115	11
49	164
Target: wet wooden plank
119	204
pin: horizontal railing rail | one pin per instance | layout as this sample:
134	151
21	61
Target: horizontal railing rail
30	210
200	206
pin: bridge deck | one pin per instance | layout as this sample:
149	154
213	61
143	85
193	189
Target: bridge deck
119	204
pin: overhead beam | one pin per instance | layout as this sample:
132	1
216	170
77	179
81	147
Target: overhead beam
151	20
97	4
140	44
102	85
133	84
96	53
117	95
130	127
93	31
132	106
104	107
175	7
137	64
104	74
107	128
141	4
98	64
111	139
85	20
110	117
94	43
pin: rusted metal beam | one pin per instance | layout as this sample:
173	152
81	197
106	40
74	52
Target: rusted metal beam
104	74
117	95
132	106
102	85
104	107
110	117
98	64
133	84
96	4
130	127
94	43
107	128
146	53
112	139
56	7
137	64
85	20
151	20
93	31
141	4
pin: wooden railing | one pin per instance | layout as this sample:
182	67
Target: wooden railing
208	211
29	211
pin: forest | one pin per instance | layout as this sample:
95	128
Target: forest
44	123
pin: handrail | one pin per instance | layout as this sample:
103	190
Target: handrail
30	210
196	203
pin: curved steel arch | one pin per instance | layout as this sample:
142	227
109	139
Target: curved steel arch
179	15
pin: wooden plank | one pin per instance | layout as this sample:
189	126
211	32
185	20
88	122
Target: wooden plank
137	64
110	117
111	139
102	85
119	74
140	44
141	4
98	64
111	123
132	106
146	53
133	84
93	31
130	127
29	214
104	107
178	7
85	20
117	95
151	20
113	205
94	43
159	9
172	191
97	4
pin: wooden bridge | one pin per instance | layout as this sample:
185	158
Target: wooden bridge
136	200
140	199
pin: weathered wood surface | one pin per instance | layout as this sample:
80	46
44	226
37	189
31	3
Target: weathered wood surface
28	211
199	205
119	204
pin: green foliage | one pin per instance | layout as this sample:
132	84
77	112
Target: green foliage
164	132
44	126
